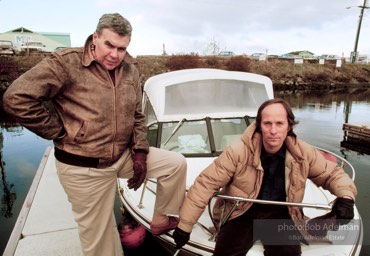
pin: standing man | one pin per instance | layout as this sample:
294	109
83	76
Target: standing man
99	132
269	162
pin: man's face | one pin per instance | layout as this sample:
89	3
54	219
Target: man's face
110	48
274	127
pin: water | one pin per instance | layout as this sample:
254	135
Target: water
321	119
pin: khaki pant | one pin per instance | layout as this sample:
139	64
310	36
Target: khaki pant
92	193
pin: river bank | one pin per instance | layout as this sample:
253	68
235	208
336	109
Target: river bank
284	73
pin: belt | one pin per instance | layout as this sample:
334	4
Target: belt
72	159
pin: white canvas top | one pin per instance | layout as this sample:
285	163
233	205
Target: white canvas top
199	93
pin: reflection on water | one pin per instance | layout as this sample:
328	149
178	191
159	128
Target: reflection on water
325	98
325	113
8	196
321	118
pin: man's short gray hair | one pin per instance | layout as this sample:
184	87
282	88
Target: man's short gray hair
115	22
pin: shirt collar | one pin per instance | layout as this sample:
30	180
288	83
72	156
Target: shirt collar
280	153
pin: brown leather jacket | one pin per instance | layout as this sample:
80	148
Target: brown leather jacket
238	172
101	119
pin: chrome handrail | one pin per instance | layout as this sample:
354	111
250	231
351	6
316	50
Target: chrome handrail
259	201
343	161
238	199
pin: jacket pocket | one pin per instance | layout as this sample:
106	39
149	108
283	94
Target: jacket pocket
81	133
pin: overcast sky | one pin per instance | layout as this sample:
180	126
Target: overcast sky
185	26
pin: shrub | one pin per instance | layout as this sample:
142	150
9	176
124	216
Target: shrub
212	62
9	69
317	77
27	62
179	62
238	63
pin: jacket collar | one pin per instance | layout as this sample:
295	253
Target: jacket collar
253	141
291	144
88	57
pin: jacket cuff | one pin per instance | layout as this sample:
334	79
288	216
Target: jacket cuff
185	227
140	151
347	193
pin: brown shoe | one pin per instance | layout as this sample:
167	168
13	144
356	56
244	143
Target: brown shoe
158	230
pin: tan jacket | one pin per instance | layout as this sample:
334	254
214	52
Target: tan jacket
238	172
101	119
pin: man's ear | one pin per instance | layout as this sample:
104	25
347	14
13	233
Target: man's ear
95	36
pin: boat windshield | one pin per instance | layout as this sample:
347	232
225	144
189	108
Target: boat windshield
197	137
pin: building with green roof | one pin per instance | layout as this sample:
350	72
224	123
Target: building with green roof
51	40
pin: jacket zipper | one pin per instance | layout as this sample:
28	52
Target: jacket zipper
114	117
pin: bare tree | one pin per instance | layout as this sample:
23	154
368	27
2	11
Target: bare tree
213	48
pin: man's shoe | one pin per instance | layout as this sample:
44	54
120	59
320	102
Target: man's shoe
158	230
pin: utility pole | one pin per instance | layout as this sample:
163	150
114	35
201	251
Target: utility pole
164	53
354	54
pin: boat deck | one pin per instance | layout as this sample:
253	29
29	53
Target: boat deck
360	132
45	225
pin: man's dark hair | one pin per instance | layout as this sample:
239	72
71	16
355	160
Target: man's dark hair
291	118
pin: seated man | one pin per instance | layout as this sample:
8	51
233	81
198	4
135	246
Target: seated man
268	162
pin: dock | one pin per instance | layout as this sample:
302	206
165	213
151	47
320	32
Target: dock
356	137
45	225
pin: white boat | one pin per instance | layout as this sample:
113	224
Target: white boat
199	112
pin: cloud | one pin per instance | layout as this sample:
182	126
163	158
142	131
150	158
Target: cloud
246	26
185	26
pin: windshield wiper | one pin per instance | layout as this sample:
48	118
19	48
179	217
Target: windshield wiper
175	130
